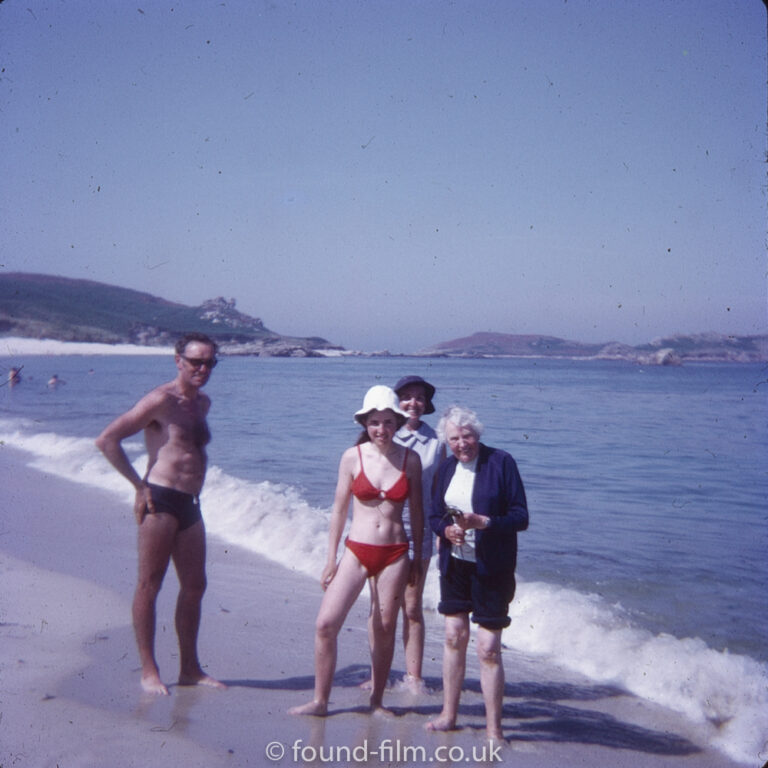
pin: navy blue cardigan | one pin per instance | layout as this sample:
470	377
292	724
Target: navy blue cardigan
498	493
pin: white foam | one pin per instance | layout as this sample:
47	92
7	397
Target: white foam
267	518
74	458
726	693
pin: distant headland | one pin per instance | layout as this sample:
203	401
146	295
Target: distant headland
38	306
668	350
50	307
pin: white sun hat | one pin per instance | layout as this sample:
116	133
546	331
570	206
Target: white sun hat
381	398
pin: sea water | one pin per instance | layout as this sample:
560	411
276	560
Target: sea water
645	562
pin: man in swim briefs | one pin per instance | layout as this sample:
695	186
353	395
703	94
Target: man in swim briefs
167	508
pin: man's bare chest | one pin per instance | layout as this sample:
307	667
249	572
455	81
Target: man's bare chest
183	421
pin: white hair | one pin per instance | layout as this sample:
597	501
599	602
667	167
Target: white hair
461	417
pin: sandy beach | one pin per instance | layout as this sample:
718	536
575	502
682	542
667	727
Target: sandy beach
70	682
13	346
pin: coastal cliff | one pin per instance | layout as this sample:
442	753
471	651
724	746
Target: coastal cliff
51	307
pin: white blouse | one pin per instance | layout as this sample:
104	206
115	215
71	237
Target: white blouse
458	495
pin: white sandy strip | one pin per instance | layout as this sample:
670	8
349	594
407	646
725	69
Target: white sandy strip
15	346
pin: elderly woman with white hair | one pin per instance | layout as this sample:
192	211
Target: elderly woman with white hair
478	506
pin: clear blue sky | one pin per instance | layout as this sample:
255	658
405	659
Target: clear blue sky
391	174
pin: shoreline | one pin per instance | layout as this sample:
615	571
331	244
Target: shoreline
17	346
71	691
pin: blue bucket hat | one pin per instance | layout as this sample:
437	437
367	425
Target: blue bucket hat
429	390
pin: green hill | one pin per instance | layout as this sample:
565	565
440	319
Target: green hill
52	307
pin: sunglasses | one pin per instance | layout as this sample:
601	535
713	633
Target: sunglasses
201	362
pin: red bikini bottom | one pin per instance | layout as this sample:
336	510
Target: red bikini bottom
376	557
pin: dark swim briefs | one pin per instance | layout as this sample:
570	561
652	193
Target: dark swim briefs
183	506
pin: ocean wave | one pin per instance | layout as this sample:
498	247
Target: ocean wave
726	693
267	518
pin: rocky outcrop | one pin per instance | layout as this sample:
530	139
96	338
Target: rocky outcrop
221	311
274	348
712	347
616	351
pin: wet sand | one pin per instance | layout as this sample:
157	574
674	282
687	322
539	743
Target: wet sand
70	693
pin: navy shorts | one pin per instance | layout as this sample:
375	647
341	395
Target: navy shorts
183	506
463	590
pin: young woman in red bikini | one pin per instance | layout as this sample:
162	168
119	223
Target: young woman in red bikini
377	476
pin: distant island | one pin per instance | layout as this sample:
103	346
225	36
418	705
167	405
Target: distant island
65	309
668	350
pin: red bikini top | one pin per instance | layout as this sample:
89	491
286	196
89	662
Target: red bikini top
364	490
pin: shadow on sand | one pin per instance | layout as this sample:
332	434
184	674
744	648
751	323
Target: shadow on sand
533	712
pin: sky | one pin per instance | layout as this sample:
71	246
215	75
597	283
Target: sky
389	174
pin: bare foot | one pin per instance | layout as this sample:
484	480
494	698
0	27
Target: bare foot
497	749
366	685
310	708
379	710
151	683
202	679
442	723
413	684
